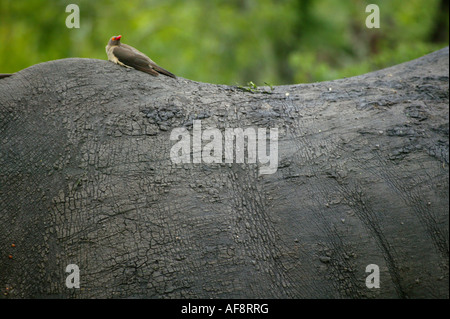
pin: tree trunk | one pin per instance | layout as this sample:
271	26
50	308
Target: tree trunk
87	178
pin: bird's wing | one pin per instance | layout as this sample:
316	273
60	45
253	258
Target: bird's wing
155	66
136	60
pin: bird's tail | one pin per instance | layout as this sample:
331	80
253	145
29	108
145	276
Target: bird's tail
163	71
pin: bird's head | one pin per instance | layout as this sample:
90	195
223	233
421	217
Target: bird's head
115	40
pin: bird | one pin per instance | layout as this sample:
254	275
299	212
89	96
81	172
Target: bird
4	75
130	57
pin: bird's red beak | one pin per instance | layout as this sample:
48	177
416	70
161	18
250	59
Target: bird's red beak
118	37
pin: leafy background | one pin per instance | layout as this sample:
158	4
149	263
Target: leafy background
229	41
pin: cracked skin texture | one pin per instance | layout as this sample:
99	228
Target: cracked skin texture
86	179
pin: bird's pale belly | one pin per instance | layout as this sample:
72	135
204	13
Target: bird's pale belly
112	58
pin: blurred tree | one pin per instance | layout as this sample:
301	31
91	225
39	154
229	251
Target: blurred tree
440	30
230	42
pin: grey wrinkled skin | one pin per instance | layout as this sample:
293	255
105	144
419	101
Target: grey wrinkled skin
86	179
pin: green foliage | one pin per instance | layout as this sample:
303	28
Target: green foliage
253	88
229	41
